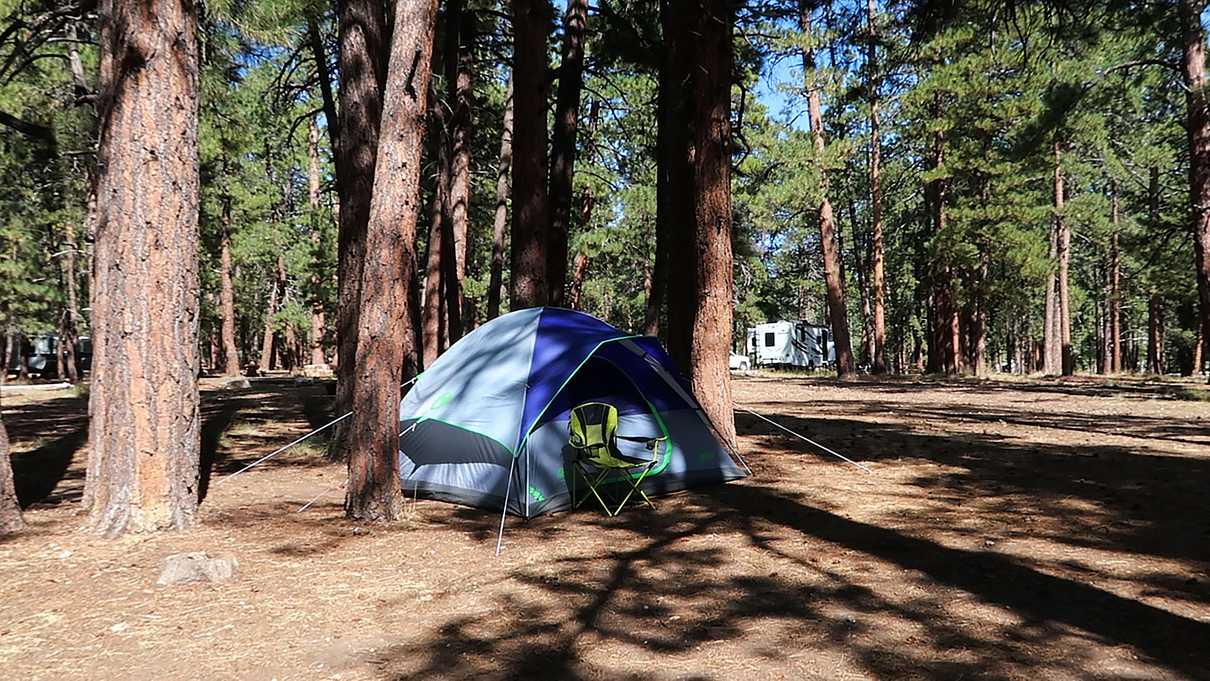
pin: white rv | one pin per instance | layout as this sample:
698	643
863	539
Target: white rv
791	344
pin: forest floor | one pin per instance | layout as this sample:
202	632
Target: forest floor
1016	529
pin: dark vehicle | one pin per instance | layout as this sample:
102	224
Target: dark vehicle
38	354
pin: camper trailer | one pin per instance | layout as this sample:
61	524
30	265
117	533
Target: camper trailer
791	344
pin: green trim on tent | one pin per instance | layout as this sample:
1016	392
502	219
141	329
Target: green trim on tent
555	394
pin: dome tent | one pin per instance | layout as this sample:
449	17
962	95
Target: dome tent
487	424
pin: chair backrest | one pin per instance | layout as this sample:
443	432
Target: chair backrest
593	432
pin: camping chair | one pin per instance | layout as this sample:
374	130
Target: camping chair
594	437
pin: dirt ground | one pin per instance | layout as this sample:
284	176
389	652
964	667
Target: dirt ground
1009	529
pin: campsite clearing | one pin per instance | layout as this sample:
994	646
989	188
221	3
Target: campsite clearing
1011	529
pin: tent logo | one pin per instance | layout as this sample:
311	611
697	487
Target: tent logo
536	494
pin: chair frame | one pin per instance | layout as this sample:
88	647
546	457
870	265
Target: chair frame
596	475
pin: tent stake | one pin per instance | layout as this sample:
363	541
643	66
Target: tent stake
508	486
805	439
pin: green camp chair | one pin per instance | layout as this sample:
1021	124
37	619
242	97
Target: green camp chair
594	437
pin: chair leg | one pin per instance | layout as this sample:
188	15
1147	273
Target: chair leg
634	487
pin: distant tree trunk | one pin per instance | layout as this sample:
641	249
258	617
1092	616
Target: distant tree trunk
10	510
1067	356
459	64
563	145
1155	334
363	40
675	208
979	319
1052	347
500	223
314	196
1199	349
531	211
833	277
579	272
944	352
877	268
144	437
1198	128
386	354
433	317
712	325
278	290
588	202
231	365
71	316
1114	309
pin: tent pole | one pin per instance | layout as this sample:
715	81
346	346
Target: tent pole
508	485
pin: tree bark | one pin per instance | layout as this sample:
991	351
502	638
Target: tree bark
1067	354
385	350
563	145
279	287
675	193
877	266
1155	334
710	376
833	277
579	272
1114	309
315	199
500	221
433	316
1198	130
71	316
363	40
231	365
529	285
459	65
10	509
1051	345
144	437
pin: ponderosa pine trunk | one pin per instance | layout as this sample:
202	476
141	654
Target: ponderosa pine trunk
563	145
433	314
709	373
275	294
579	271
877	266
144	437
10	509
1114	309
529	286
386	355
833	276
1198	131
71	315
500	221
1155	334
459	65
1067	354
675	200
231	365
315	196
363	38
1052	348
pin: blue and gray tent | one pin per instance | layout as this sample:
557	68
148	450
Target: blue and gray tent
487	424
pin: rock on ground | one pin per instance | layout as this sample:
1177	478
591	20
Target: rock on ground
183	568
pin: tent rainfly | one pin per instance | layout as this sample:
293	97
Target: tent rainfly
487	424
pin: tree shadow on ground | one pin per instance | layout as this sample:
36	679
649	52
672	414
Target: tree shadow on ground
669	596
760	567
1083	386
1115	487
59	428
